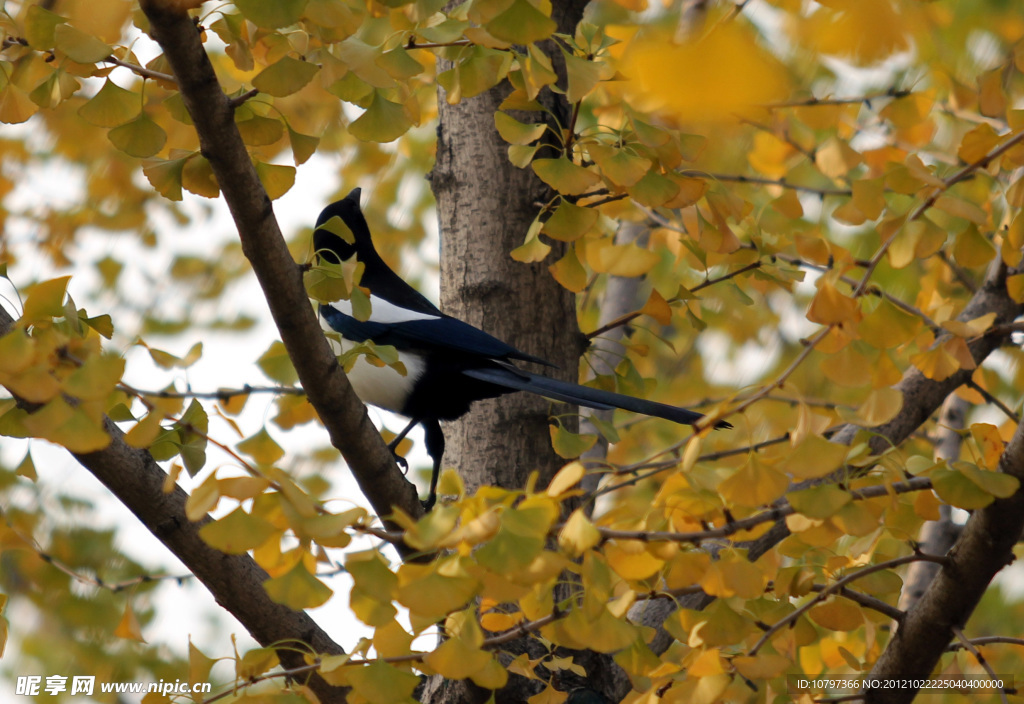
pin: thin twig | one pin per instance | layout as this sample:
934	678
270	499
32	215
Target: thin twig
629	317
239	100
870	602
134	68
874	290
413	44
835	587
784	136
571	130
288	674
958	632
928	202
757	180
993	400
219	394
1005	330
776	513
97	582
658	467
608	199
852	100
986	640
780	381
959	272
141	70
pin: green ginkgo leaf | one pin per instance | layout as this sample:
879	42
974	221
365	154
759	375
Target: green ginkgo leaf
79	46
271	14
39	27
565	176
111	106
277	179
165	176
197	177
259	131
521	23
141	137
286	76
383	121
303	145
515	132
298	589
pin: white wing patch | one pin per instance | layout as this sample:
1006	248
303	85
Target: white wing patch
383	312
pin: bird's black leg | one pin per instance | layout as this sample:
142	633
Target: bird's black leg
434	440
393	445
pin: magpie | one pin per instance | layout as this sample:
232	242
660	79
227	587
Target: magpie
449	363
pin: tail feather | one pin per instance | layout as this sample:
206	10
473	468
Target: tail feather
518	379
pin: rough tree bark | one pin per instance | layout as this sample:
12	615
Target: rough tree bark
937	537
485	207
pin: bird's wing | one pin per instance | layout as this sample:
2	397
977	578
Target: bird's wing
419	331
512	378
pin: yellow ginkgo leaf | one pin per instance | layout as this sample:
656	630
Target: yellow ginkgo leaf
578	534
128	627
888	326
569	272
565	176
754	484
383	121
830	306
566	478
864	31
456	659
631	559
814	457
15	105
570	221
729	55
837	614
298	589
936	363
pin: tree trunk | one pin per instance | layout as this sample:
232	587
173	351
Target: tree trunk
485	208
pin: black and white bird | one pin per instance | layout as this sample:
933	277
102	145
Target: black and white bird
449	363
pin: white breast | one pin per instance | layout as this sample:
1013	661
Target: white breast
383	387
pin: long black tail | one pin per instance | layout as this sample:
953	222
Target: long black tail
514	378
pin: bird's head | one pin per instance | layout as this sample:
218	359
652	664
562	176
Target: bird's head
337	241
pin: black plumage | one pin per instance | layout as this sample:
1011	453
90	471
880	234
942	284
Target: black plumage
450	363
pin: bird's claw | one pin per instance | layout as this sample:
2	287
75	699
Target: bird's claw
401	462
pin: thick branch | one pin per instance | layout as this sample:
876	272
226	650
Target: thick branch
343	414
921	398
937	537
235	581
984	548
